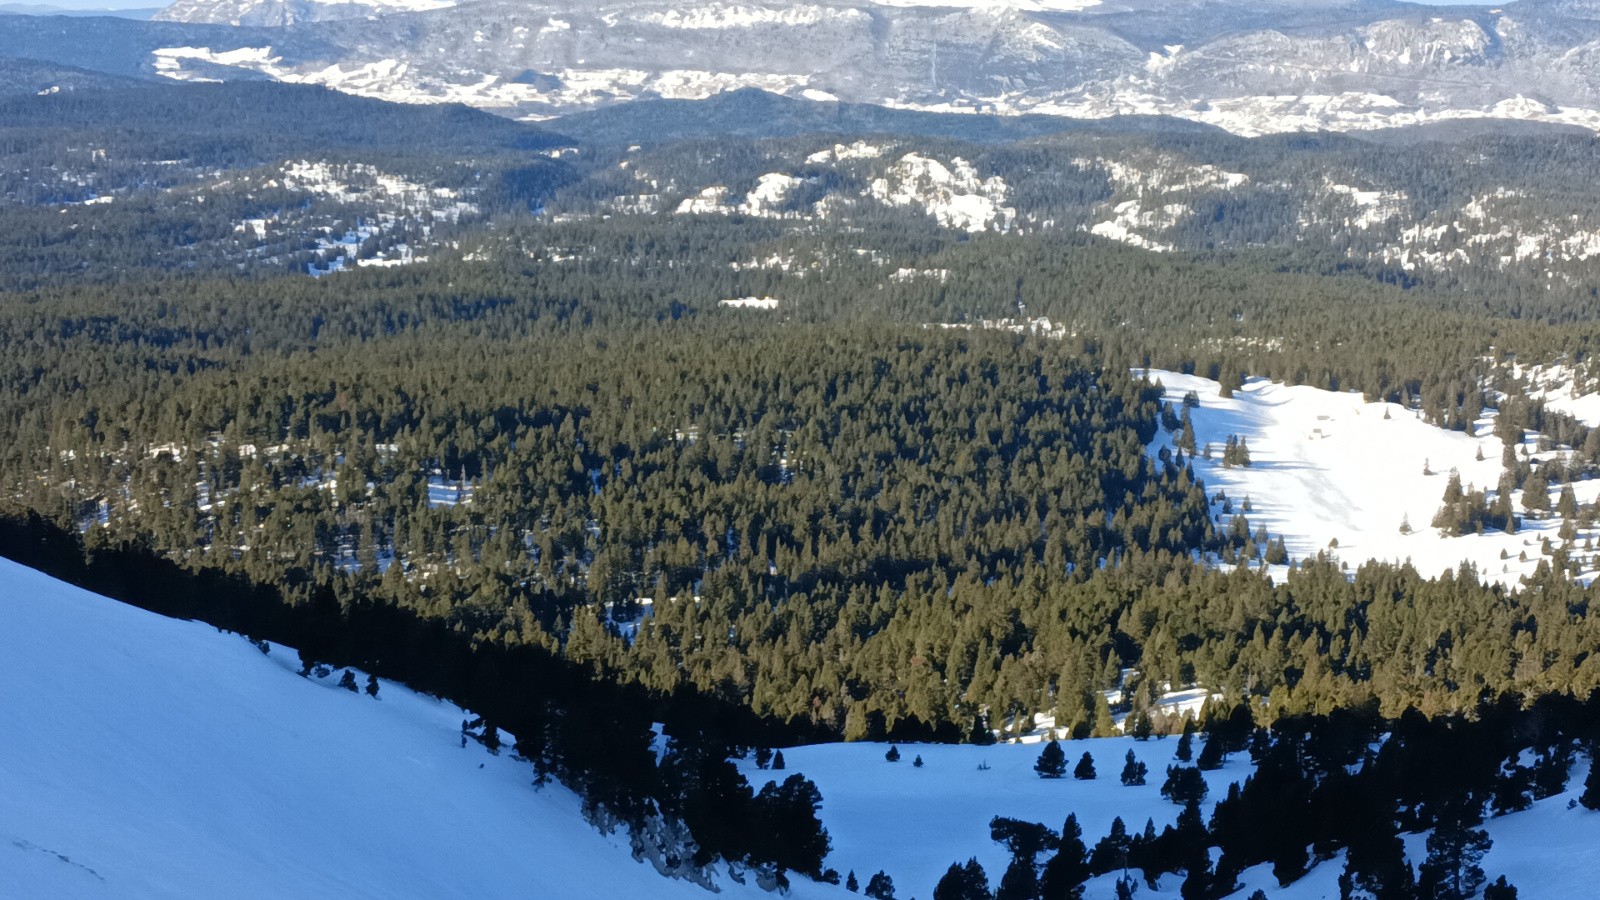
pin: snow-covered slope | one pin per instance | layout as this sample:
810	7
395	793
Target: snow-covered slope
1332	472
914	822
148	757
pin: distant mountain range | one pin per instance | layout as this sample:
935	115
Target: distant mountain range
1249	66
48	9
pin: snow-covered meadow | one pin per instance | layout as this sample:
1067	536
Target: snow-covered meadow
1332	472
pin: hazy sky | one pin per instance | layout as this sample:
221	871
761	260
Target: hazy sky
143	4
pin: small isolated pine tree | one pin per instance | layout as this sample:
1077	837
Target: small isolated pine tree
348	681
763	757
893	755
777	761
1134	772
880	886
372	686
851	884
1186	741
1183	784
918	761
1052	762
1084	771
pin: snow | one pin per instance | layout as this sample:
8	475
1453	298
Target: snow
150	757
1373	207
999	5
842	152
1128	218
210	769
1557	386
953	194
710	201
914	822
770	192
751	303
717	16
1328	466
1545	851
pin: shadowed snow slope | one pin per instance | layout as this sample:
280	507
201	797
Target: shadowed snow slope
149	757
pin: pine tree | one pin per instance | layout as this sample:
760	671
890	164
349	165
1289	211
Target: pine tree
1186	741
1111	852
963	882
1141	729
1134	772
1211	757
893	755
372	686
1590	798
1104	725
1066	872
1052	762
917	762
1375	867
777	761
1019	882
1451	871
348	682
880	887
1084	771
1500	890
851	884
1183	784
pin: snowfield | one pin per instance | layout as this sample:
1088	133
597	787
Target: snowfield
150	757
914	822
1330	467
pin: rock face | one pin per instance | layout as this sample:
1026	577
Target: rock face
1250	66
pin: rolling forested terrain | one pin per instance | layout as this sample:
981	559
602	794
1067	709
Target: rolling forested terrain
807	464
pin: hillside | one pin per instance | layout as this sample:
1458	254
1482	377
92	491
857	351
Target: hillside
1331	472
159	758
150	757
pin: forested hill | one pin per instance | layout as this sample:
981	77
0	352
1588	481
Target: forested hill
780	439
